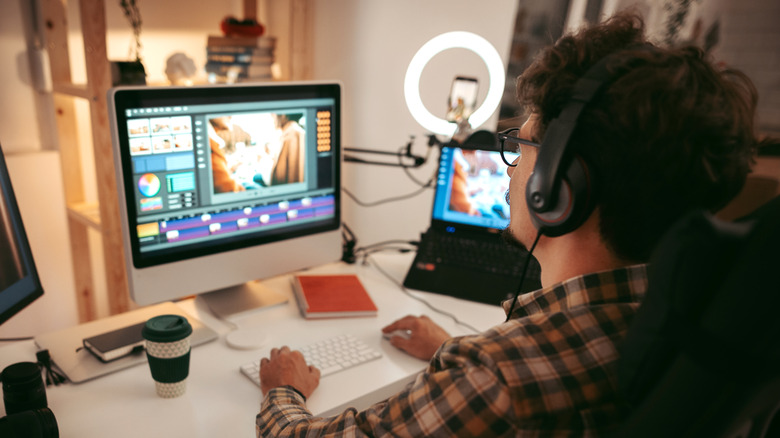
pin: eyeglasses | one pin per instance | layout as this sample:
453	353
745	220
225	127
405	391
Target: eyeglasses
514	144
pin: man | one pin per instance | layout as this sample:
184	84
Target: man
289	167
224	136
669	134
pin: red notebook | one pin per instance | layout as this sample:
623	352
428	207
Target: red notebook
332	296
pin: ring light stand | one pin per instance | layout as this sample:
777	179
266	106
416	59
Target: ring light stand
460	131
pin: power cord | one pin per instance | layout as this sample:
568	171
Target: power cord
383	201
432	141
53	375
350	251
350	254
348	244
403	289
372	249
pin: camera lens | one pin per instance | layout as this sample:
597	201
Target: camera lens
23	388
39	423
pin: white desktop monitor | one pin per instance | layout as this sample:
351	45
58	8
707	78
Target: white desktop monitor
220	185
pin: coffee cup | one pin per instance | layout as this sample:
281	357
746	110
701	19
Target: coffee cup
167	343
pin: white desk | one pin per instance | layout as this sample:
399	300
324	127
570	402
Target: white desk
222	402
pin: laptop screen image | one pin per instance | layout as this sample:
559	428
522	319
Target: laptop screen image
471	189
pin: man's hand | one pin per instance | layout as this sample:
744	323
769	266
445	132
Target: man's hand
287	367
425	337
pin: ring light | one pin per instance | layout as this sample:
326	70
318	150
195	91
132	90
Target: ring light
452	40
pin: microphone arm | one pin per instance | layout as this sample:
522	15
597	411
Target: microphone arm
406	154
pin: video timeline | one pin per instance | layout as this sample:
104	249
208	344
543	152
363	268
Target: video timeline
225	222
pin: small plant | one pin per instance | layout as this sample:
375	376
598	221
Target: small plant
133	15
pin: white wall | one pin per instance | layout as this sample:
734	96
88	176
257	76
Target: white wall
365	44
368	45
18	120
42	214
751	42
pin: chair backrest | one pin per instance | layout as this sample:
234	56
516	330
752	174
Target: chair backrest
758	190
702	356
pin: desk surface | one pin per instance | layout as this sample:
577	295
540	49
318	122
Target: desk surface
220	401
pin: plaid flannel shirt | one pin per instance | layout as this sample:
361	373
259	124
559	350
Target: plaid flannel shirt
548	371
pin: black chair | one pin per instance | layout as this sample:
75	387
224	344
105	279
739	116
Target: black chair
702	356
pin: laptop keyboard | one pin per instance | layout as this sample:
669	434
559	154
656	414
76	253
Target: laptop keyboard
496	257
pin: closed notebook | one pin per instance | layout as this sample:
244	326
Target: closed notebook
117	343
332	296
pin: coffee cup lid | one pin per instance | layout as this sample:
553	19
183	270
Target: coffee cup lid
166	328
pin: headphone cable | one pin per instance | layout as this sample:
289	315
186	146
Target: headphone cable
522	276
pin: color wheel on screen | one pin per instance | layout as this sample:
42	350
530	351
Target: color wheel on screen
149	184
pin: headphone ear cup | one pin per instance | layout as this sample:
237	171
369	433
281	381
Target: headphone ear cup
574	204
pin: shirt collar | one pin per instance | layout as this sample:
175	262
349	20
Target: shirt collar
627	284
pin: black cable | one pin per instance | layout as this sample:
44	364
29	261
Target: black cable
387	242
53	375
422	184
382	201
364	254
348	244
25	338
429	305
413	178
522	276
419	161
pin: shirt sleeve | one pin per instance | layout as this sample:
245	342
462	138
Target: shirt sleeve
456	395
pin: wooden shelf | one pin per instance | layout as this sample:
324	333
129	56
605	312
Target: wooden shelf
87	213
74	90
291	20
102	215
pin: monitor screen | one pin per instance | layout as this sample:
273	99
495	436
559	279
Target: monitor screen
223	184
19	283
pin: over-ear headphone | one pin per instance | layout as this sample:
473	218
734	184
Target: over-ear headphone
561	191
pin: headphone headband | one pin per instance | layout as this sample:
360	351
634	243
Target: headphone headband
557	207
541	192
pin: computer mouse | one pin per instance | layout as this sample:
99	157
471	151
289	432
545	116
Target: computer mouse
406	334
246	339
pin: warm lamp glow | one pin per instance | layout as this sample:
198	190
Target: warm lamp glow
452	40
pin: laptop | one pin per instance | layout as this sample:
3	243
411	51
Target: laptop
462	254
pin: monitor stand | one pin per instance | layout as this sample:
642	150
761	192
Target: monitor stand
233	302
236	300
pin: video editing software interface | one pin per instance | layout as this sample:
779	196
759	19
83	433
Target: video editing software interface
471	188
210	174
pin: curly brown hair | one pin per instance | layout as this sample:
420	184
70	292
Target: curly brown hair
669	134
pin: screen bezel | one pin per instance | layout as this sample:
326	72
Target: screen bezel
124	98
36	289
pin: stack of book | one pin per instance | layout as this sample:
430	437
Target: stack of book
244	58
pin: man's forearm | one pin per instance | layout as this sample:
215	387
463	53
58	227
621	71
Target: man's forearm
281	407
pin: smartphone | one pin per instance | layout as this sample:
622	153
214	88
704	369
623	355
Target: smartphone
463	98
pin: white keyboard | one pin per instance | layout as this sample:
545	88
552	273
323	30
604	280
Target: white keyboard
330	356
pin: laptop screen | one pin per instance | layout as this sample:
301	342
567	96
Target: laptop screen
470	189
